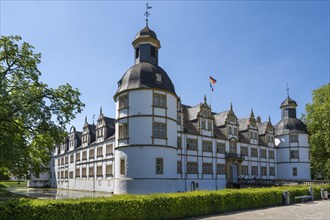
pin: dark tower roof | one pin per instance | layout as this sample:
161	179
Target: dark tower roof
146	35
143	75
287	125
288	102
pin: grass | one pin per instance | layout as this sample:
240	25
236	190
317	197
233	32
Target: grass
12	184
6	195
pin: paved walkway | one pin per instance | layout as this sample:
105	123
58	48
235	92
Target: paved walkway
317	210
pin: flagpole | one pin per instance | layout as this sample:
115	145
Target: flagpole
210	96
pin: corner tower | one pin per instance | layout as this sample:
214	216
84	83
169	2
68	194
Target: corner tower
291	138
146	123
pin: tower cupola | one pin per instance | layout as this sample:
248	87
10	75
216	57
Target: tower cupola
288	107
146	46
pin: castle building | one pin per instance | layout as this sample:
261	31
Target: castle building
155	143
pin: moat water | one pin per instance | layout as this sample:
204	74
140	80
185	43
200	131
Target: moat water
49	193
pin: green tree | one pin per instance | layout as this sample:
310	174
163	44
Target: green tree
33	116
318	124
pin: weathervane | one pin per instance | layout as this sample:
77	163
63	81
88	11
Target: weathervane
147	13
287	89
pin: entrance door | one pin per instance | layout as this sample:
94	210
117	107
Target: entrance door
234	172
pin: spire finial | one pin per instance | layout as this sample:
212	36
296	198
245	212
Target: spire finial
231	106
93	117
269	119
287	89
86	119
252	114
101	110
147	13
205	99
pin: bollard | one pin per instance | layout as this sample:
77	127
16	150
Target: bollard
286	198
322	194
310	190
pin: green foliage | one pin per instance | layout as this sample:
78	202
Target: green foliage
32	115
155	206
318	124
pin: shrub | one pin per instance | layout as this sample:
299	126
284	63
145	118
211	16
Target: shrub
154	206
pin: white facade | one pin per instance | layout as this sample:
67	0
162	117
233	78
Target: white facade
156	144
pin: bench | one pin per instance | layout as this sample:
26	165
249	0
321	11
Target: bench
303	197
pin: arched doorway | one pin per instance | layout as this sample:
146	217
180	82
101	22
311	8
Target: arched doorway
234	172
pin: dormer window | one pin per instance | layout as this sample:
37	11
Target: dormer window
137	53
203	124
153	51
158	77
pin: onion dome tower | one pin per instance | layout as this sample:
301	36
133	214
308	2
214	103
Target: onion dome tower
293	161
146	122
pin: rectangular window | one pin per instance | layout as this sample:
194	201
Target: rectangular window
264	171
99	171
71	158
66	160
99	152
122	167
192	167
78	156
84	155
294	154
179	141
207	168
263	153
99	132
91	153
159	100
137	53
254	170
179	119
244	151
271	154
230	130
221	169
83	172
207	146
235	131
153	51
123	131
179	167
203	124
123	101
271	171
192	144
221	148
254	152
108	170
294	171
91	171
84	137
71	175
245	170
293	138
159	130
77	172
108	149
159	165
66	174
209	125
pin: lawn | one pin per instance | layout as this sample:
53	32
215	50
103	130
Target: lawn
12	184
6	195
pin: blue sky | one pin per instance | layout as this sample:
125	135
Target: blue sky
252	48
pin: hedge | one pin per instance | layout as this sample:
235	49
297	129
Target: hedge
154	206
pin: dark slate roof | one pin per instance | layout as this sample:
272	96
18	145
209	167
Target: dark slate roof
243	124
288	102
287	125
146	32
262	127
244	137
218	133
192	112
220	118
188	126
143	75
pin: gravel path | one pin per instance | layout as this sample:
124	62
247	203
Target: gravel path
317	210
